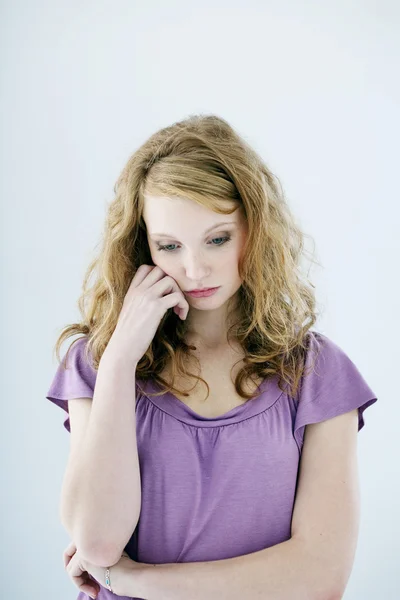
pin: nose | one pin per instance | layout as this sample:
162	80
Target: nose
197	269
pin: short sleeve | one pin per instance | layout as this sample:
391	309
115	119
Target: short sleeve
332	385
77	380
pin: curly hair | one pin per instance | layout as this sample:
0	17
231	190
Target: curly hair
204	159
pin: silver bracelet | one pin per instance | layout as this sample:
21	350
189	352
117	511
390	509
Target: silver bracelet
108	579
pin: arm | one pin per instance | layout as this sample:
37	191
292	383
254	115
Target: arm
282	572
105	472
315	563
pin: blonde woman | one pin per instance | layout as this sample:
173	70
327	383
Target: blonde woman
213	432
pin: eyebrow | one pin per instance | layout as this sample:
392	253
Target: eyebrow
207	230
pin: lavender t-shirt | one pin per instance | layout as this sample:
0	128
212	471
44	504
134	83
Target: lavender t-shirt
215	488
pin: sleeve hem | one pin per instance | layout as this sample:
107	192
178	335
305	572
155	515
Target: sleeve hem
312	412
63	403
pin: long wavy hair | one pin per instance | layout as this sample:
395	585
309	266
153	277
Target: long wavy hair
204	159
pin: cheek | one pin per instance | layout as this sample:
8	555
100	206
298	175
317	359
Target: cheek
157	257
230	260
161	260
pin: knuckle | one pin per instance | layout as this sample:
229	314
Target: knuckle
170	279
149	268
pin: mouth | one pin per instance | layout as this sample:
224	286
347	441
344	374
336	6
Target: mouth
203	293
201	290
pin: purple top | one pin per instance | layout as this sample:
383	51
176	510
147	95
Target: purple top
215	488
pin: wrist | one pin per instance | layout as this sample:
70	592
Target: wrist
114	359
136	580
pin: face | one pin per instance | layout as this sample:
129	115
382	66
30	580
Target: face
196	246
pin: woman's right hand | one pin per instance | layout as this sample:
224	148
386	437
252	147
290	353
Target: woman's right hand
78	574
149	296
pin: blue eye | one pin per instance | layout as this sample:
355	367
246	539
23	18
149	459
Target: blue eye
225	239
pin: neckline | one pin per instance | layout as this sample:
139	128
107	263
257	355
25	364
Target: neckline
268	389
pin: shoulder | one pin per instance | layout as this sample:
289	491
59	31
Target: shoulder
326	359
331	385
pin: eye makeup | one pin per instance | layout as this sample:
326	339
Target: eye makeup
227	238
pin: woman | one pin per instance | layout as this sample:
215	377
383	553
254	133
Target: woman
213	435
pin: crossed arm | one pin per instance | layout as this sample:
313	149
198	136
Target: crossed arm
315	563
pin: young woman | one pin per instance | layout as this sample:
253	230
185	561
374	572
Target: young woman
213	433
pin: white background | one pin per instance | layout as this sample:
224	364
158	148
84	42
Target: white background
314	87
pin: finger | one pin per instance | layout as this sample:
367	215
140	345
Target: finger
141	274
69	552
67	555
74	568
81	577
89	587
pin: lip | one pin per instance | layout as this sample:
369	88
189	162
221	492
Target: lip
203	293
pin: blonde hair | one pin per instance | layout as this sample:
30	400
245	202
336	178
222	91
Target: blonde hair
204	159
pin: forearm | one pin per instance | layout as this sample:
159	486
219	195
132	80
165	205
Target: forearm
281	572
98	484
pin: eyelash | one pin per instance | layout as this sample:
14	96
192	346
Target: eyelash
225	238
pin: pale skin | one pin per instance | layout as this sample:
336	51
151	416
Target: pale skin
198	248
81	572
194	259
315	563
197	259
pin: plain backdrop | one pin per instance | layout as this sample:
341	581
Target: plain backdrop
314	87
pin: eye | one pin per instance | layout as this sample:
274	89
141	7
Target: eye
225	240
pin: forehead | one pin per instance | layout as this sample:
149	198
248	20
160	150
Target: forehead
164	213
